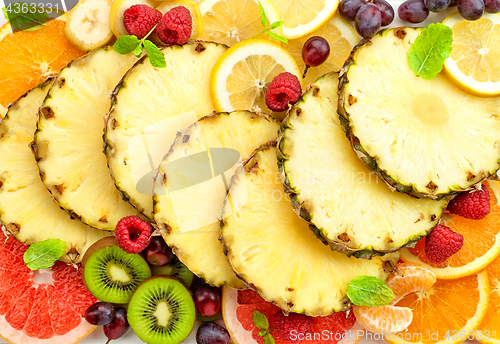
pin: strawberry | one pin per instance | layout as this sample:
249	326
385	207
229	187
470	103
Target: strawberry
292	326
473	205
441	243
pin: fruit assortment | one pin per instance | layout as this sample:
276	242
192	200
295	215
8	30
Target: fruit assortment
226	166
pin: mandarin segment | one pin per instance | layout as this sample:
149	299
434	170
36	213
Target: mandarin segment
28	58
410	279
385	319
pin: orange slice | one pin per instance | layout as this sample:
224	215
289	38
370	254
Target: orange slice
489	331
481	242
28	58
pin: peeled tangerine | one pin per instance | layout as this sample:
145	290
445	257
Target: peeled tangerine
87	26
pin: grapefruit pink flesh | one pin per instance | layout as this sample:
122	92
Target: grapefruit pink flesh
37	313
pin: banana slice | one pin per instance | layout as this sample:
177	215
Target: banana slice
193	8
117	10
87	25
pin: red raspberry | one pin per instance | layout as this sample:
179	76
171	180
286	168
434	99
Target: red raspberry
175	26
441	243
473	205
283	90
292	326
133	234
140	19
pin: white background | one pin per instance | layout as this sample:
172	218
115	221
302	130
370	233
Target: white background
97	337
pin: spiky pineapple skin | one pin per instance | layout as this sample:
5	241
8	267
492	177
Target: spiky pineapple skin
371	161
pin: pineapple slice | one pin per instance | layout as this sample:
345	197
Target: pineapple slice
350	207
197	171
423	137
69	139
274	252
149	107
26	207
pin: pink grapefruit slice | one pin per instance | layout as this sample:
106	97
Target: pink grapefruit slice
239	305
43	306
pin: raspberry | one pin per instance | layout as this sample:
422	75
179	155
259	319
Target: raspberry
283	90
133	234
441	243
140	19
293	324
175	26
473	205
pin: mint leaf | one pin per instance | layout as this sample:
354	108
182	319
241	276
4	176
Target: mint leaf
25	16
260	320
126	44
268	339
43	254
369	291
275	25
263	18
156	57
431	47
277	37
138	50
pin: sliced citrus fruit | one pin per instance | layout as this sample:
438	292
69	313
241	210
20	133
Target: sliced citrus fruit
233	21
241	75
481	242
410	279
474	63
302	17
341	37
447	313
28	58
238	307
42	306
489	331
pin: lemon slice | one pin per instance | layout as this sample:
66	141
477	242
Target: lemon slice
233	21
474	63
341	37
301	17
241	75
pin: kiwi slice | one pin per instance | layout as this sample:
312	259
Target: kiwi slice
176	269
111	274
162	310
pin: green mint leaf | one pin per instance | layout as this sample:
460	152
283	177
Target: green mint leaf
126	44
369	291
275	25
138	50
431	47
268	339
25	16
260	320
155	55
263	18
277	37
44	254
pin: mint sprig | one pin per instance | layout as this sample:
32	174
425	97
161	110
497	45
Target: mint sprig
43	254
267	30
25	16
260	321
431	47
369	291
130	43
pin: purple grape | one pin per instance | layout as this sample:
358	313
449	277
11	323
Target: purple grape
368	20
315	51
386	11
470	9
100	313
208	300
211	333
158	253
492	6
413	11
118	326
349	8
437	5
